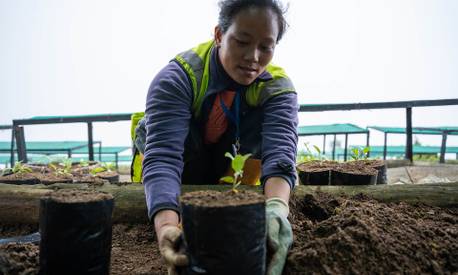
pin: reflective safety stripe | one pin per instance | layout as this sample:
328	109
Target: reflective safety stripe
193	63
136	165
258	93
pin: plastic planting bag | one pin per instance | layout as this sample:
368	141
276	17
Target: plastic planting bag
228	239
76	232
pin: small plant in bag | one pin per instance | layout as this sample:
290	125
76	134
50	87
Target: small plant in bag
84	163
358	153
237	164
18	168
104	167
308	155
63	168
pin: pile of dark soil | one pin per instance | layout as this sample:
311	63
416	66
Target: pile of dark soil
332	235
19	258
135	251
340	235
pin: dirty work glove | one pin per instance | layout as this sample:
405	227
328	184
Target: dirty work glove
279	234
169	246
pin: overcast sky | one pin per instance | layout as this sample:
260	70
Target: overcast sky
71	57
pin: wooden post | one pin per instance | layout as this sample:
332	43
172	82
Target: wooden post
12	146
324	144
20	144
384	146
443	147
367	144
90	142
334	148
346	144
409	145
100	151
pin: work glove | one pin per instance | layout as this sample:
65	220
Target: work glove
279	234
171	250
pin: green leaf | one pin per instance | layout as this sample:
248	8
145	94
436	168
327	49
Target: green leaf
229	155
109	166
366	150
7	171
227	179
239	161
355	151
97	170
246	156
317	149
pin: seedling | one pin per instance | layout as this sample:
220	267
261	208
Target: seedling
104	166
358	153
237	164
18	168
62	169
84	163
309	155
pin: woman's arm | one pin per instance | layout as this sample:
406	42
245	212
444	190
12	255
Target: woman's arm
168	112
277	187
279	145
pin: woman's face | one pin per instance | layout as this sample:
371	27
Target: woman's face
248	45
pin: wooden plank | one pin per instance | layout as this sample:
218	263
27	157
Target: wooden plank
19	204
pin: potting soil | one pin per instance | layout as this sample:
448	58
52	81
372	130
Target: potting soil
332	235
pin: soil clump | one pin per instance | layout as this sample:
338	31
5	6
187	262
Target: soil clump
78	196
210	198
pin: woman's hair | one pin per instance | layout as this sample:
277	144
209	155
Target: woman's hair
230	8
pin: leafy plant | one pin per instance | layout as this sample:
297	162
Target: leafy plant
63	168
18	168
237	164
308	155
84	163
358	153
104	166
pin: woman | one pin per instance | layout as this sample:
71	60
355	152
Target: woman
220	95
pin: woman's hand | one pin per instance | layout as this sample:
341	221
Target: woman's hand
169	237
279	232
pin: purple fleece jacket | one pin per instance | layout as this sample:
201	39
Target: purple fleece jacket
168	114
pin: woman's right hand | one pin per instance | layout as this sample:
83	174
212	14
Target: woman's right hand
169	237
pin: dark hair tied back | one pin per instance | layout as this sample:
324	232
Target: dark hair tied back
230	8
